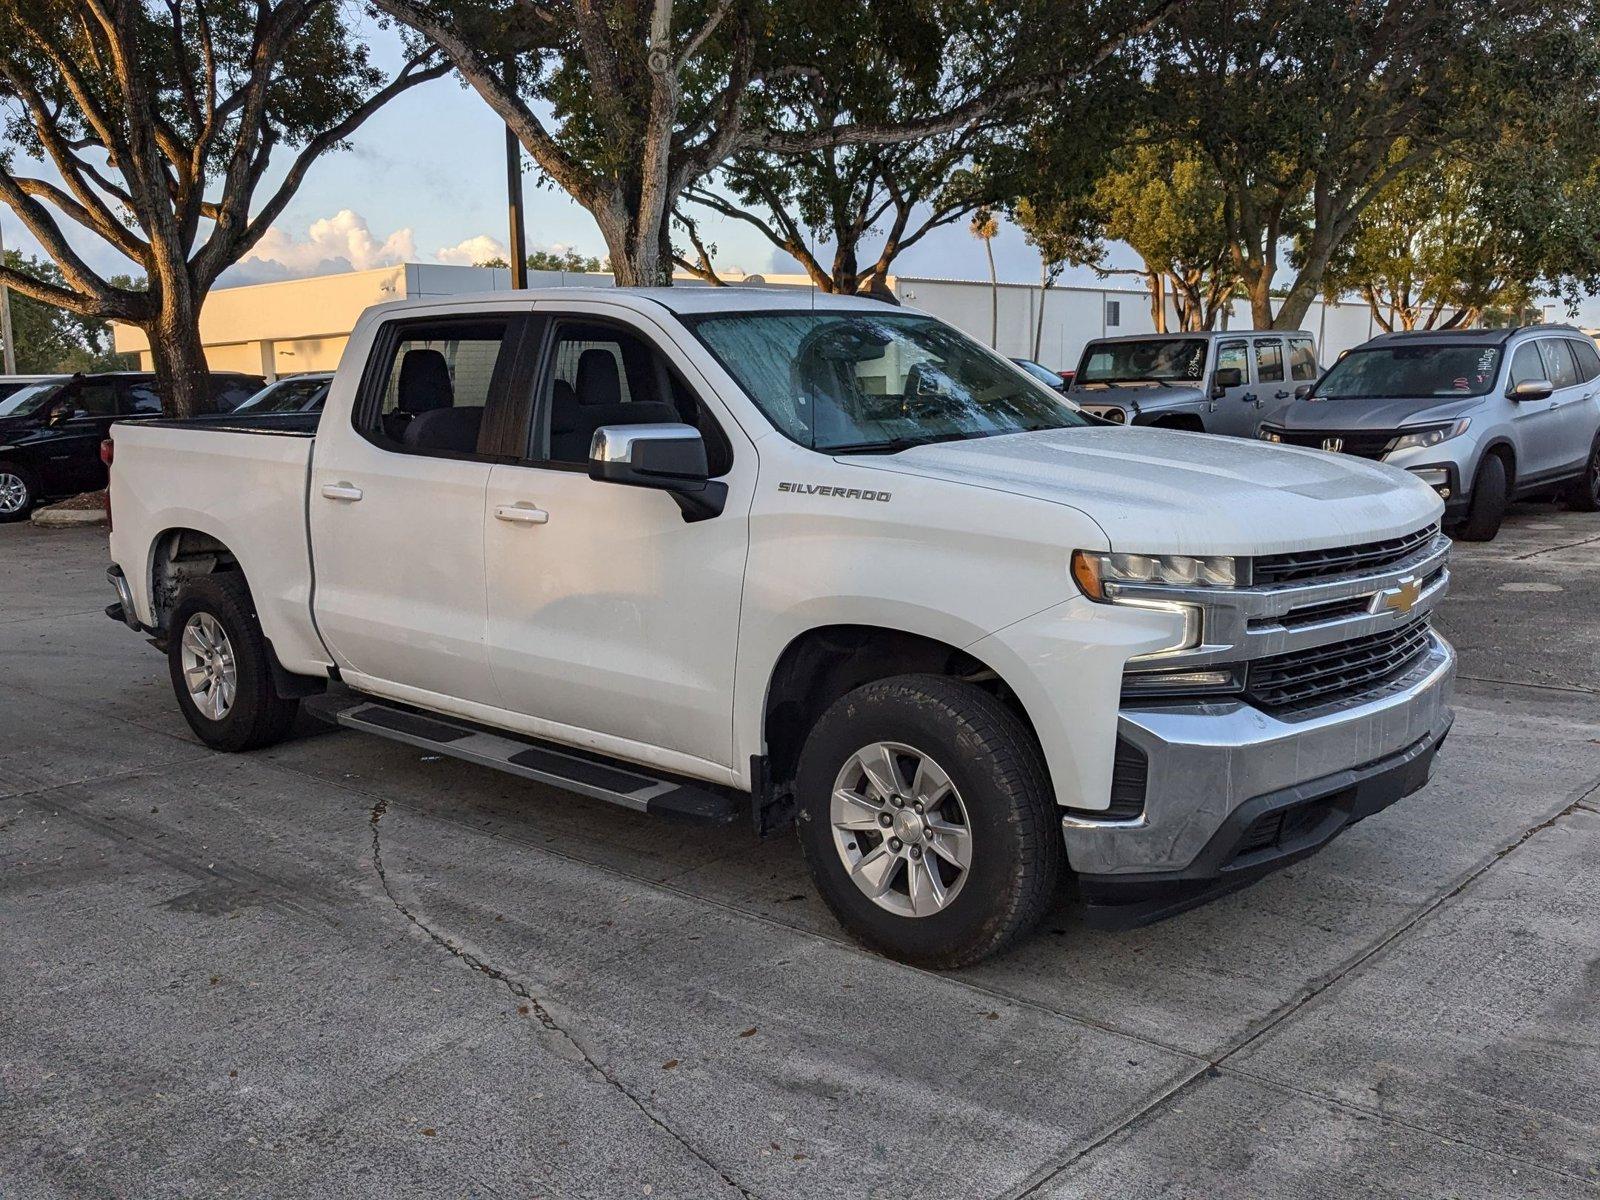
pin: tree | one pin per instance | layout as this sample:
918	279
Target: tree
625	104
1165	201
984	226
551	260
160	120
1299	108
50	339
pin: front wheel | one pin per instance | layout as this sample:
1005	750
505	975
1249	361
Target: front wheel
221	666
1584	494
1487	506
19	492
927	820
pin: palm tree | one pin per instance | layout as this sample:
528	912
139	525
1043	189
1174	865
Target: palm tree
983	227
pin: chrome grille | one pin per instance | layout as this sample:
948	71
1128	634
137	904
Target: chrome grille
1333	672
1300	565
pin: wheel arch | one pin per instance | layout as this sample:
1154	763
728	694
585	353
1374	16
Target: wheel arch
1504	449
824	662
177	553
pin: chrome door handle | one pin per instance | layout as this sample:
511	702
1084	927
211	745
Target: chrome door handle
341	491
522	514
1280	395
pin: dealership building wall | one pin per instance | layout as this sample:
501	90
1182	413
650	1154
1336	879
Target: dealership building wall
298	325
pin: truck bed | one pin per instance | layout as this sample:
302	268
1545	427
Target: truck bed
241	481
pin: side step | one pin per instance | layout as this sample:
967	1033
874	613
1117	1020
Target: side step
574	770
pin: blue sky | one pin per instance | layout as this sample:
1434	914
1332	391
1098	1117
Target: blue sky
424	179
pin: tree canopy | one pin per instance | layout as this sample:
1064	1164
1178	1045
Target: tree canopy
160	120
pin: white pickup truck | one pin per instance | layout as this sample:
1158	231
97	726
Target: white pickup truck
718	552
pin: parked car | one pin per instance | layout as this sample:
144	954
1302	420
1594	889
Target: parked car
10	384
293	394
50	432
1213	382
1054	380
1483	416
722	551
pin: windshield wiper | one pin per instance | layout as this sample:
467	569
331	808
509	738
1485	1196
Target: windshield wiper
895	445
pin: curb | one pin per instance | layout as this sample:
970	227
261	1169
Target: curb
67	518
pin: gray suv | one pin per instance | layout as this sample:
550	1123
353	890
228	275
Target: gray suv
1484	415
1210	382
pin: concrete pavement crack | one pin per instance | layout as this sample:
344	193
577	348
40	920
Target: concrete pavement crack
1214	1067
520	990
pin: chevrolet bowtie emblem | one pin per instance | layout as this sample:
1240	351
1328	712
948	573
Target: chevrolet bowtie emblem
1401	598
1333	445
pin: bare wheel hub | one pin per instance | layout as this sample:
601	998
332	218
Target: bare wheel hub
901	829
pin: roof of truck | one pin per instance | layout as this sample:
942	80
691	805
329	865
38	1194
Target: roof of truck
690	299
1200	333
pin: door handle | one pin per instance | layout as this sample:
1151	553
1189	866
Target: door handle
341	491
521	514
1248	397
1280	395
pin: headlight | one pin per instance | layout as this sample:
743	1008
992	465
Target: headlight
1269	435
1106	412
1421	439
1098	576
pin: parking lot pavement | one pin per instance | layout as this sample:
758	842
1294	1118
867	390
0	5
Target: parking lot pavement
342	967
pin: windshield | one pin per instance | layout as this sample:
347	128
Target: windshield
1043	374
29	400
1161	360
867	381
287	395
1391	372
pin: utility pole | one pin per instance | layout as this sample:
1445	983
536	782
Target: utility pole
5	316
519	237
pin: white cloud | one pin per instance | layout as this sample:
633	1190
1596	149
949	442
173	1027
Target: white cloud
342	242
472	250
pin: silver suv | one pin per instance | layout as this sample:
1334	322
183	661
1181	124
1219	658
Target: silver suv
1210	382
1486	416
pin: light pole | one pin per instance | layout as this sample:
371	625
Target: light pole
519	242
5	316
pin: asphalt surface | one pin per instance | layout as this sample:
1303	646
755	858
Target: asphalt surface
344	968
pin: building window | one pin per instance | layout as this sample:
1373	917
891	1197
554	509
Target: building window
1113	313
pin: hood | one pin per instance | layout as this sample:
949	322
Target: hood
1373	414
1167	491
1139	396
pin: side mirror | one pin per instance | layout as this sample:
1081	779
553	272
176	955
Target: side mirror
1532	389
668	457
1224	378
1301	392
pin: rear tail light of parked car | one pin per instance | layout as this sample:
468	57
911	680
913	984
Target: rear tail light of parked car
107	452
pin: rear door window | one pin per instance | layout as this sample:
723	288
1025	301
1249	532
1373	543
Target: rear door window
1269	360
1563	373
1587	357
142	399
432	385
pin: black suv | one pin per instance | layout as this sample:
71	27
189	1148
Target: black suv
50	432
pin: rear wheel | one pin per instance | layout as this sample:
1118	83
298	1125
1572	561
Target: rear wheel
1486	507
19	492
1584	493
927	821
221	666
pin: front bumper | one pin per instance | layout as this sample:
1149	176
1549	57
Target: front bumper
1216	771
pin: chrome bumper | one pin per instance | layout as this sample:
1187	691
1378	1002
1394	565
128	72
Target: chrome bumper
1206	760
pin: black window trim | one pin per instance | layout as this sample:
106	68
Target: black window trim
536	429
502	390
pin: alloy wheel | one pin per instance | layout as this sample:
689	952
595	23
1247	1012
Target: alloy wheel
13	493
901	829
209	669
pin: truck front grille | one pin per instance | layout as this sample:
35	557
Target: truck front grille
1324	674
1301	565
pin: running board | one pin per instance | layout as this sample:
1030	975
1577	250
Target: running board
589	775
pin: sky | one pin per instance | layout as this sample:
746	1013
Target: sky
424	180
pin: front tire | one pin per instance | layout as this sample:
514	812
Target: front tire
221	666
1584	494
19	492
1487	507
927	820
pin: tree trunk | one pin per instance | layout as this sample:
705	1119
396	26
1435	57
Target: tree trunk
1158	300
182	375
